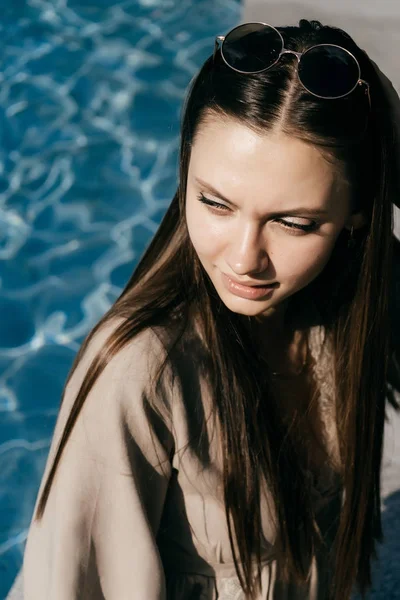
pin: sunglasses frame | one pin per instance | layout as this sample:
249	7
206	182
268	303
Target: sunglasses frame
219	41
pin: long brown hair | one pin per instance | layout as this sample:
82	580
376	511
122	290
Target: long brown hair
351	294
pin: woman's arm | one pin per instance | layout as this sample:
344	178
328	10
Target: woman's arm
97	537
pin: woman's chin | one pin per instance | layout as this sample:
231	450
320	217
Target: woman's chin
248	308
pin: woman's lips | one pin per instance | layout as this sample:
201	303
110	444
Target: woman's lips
247	291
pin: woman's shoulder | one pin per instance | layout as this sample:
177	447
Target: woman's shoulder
127	391
147	338
127	353
123	372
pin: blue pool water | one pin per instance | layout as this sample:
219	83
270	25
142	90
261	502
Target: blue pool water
90	100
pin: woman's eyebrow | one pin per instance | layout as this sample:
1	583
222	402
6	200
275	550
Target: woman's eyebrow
296	211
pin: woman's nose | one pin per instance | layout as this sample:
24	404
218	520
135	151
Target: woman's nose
247	254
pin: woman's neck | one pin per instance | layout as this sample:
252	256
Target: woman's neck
282	340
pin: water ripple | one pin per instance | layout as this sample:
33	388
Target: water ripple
90	100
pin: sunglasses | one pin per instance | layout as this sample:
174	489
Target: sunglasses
324	70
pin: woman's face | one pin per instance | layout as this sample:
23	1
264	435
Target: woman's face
263	213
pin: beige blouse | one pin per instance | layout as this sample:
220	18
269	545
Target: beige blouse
136	508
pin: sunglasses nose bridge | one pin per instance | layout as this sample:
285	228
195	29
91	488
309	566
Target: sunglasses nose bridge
297	54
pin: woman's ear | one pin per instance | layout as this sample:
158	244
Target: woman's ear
356	220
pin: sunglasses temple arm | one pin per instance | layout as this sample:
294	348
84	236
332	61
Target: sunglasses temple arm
369	97
362	82
218	40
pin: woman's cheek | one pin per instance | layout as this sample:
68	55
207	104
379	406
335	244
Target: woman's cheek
304	266
317	265
207	233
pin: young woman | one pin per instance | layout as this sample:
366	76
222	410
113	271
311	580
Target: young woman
220	433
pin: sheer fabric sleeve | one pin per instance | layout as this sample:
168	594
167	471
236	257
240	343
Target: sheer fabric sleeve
97	537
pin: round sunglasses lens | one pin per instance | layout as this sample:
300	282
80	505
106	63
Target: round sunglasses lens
328	71
252	47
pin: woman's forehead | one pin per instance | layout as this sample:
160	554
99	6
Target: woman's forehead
233	146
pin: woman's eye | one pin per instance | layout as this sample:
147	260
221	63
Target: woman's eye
299	226
290	225
214	205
